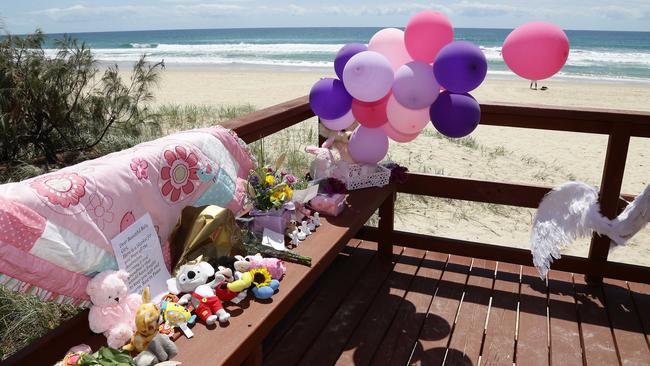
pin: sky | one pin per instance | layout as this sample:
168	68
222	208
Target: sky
58	16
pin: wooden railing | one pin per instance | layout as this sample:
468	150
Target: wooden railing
620	126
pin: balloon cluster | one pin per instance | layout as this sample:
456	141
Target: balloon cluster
400	81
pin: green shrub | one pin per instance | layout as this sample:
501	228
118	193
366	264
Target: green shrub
50	104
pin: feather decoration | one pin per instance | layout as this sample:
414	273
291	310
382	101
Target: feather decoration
571	211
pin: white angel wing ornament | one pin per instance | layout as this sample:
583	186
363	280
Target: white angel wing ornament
571	211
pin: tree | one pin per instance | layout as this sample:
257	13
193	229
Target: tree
53	101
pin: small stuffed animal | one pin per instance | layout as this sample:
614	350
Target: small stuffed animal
263	286
192	280
159	350
234	263
275	266
113	311
323	163
338	140
146	323
175	316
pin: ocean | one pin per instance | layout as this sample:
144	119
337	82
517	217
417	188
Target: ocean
600	55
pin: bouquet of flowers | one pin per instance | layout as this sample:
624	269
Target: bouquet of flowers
271	187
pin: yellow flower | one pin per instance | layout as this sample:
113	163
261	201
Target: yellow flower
278	196
261	277
270	179
289	192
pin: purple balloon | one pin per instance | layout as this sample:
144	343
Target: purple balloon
455	115
329	99
368	76
415	87
345	53
460	67
368	145
340	123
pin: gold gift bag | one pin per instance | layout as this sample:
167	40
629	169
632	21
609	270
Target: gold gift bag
210	231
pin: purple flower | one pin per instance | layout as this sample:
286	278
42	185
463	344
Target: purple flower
254	180
269	169
283	172
398	173
291	180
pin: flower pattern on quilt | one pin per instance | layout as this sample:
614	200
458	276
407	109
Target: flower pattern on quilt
63	189
140	168
179	176
99	208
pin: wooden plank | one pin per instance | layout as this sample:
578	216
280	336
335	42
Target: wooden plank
332	339
254	358
253	126
468	332
499	344
398	343
438	325
474	190
574	119
366	338
333	287
278	334
532	336
598	343
248	329
386	227
566	348
630	339
567	263
610	190
641	296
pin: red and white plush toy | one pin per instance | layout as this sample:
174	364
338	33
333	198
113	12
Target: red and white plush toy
192	281
113	310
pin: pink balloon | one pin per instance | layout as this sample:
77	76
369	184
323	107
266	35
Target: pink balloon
371	114
390	43
405	120
426	33
536	50
340	123
398	136
368	145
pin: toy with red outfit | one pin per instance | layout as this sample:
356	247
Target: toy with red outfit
192	280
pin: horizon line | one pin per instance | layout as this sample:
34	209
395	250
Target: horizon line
316	27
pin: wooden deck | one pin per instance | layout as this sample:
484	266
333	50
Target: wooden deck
424	307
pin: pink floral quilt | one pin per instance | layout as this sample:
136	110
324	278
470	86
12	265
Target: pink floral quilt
55	229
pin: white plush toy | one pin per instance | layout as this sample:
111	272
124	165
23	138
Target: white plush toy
192	280
571	211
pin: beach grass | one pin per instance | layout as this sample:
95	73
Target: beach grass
25	318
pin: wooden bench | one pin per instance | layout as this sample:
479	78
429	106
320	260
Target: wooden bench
238	342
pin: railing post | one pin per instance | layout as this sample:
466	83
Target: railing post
386	226
610	190
321	139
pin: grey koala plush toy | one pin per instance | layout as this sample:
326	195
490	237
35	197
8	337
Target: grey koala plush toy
192	281
159	350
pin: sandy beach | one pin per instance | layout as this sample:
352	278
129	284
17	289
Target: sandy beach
494	153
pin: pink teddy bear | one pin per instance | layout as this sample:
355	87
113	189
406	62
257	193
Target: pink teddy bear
113	310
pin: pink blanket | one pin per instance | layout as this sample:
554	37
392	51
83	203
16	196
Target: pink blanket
55	229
